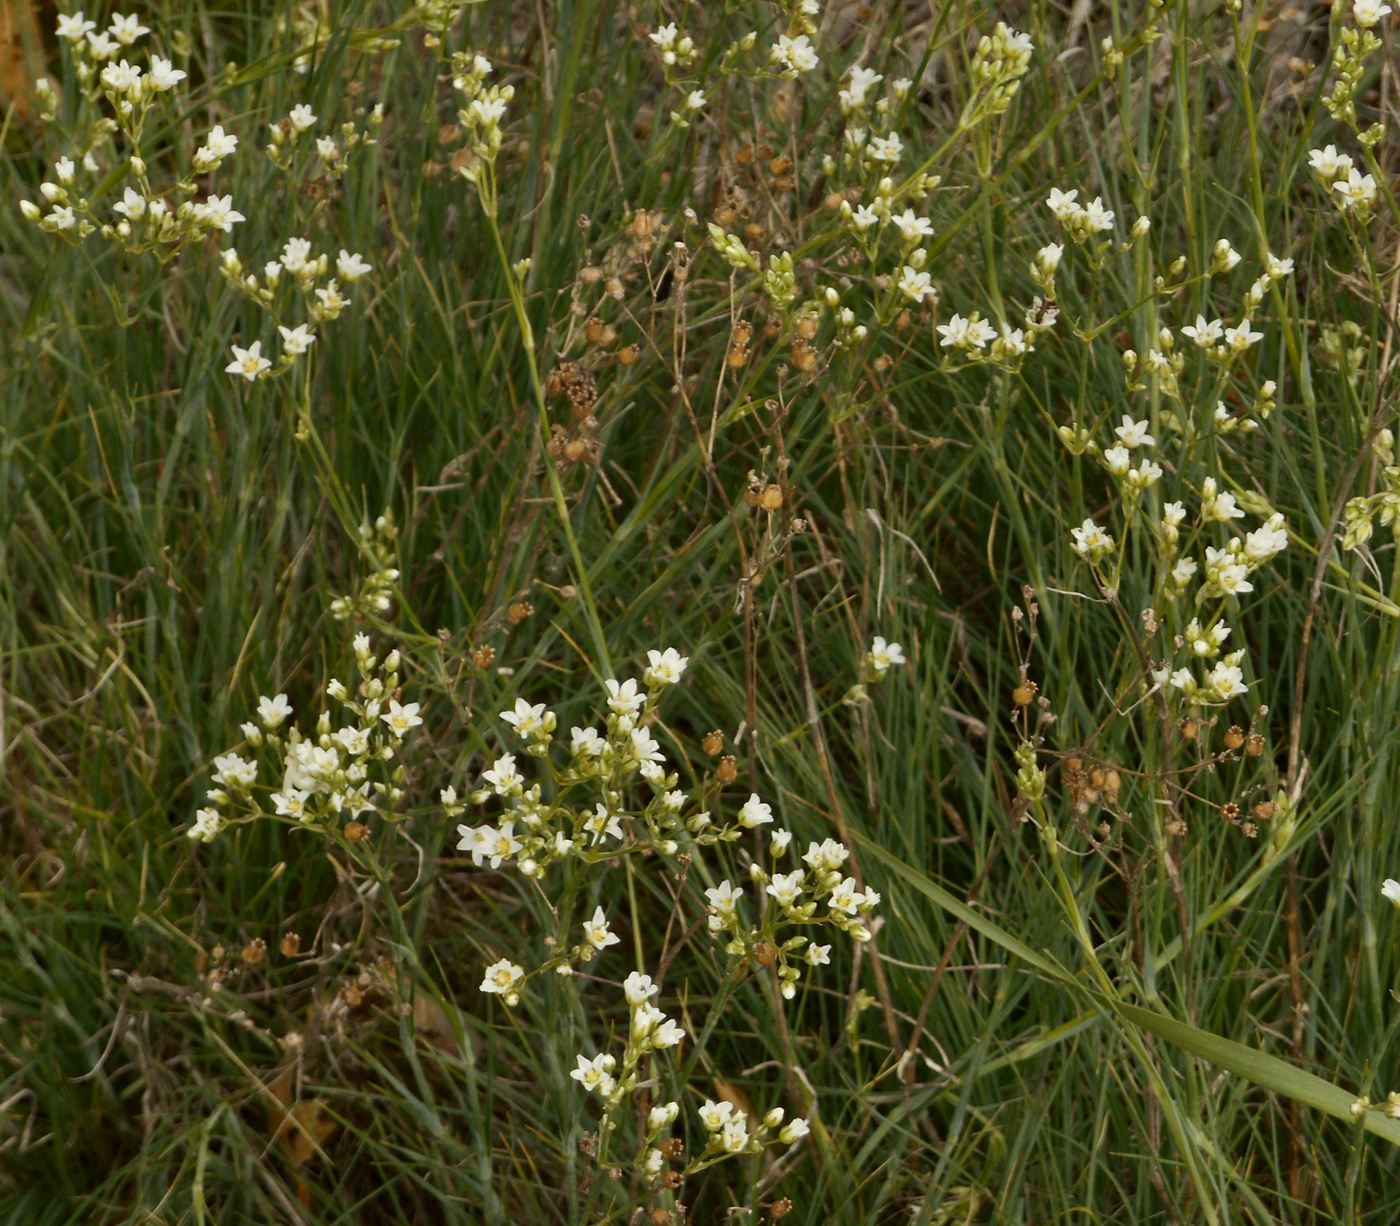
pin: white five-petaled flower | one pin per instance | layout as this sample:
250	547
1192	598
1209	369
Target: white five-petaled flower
1356	189
793	54
1239	338
218	212
1063	204
274	712
786	888
638	989
132	205
74	26
207	822
724	897
597	933
301	117
595	1074
1205	333
1368	12
401	718
526	719
296	341
755	812
126	30
665	667
502	978
248	363
121	77
1090	541
624	697
502	777
1134	433
883	655
1327	163
350	266
915	284
913	228
164	75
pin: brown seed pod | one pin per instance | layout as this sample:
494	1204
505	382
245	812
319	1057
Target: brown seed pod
1234	736
518	611
1024	694
727	771
356	832
713	743
254	952
290	945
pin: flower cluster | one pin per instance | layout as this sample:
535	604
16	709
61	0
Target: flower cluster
484	107
1364	512
820	894
728	1130
582	808
1350	189
318	777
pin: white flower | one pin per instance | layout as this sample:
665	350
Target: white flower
795	1130
502	776
602	824
846	897
1327	163
817	955
301	117
1356	189
665	667
401	718
217	145
864	217
883	655
585	742
1240	338
960	333
126	30
291	802
274	712
249	363
1368	12
778	843
218	212
597	933
231	770
623	697
164	75
1217	505
1390	888
794	54
734	1136
1225	681
207	822
502	977
1276	269
724	897
1270	538
827	855
663	1116
1118	460
1062	204
101	45
350	266
74	26
887	149
132	205
1096	217
595	1074
861	82
121	77
528	720
1134	433
913	228
326	149
786	888
296	341
915	284
638	989
1224	575
1205	334
1090	541
755	812
714	1116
